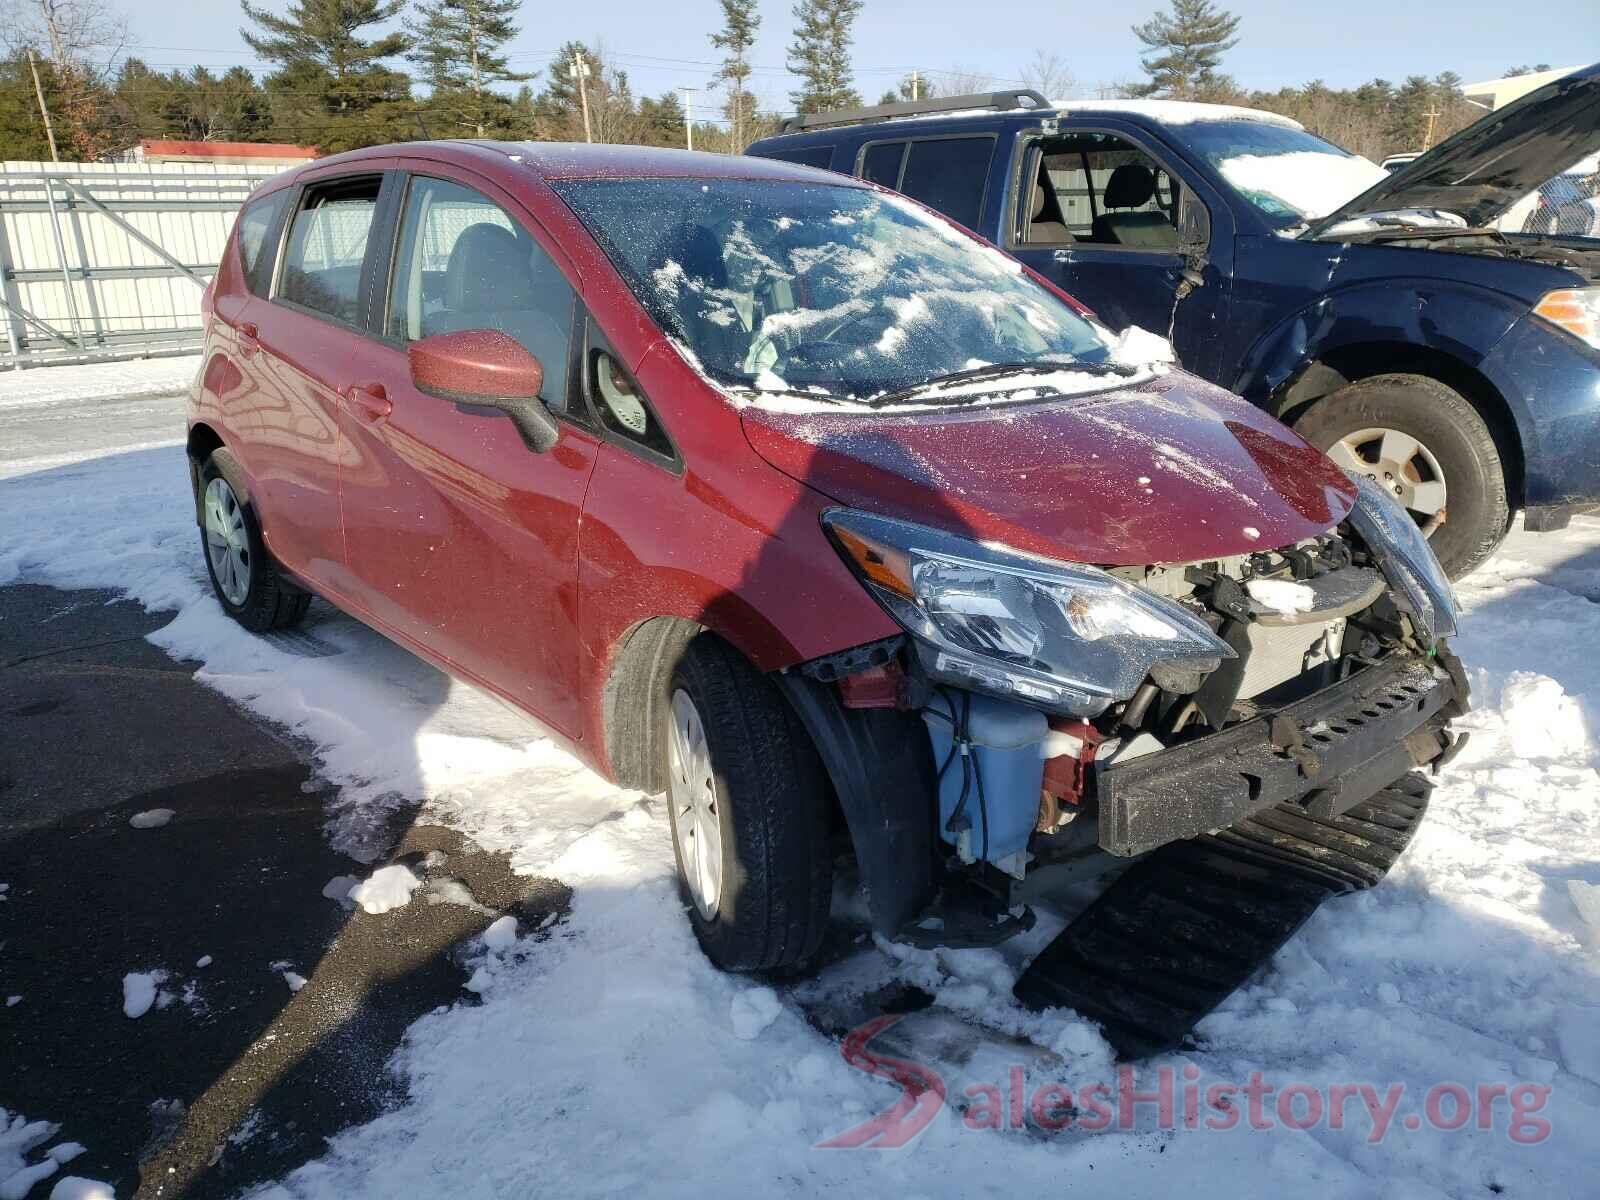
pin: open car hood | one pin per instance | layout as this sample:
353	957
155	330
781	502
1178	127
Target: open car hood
1170	471
1480	172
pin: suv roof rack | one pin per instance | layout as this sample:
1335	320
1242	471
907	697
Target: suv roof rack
1006	101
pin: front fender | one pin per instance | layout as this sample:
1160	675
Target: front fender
1453	319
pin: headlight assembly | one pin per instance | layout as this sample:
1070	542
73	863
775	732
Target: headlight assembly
1407	561
1577	310
1058	635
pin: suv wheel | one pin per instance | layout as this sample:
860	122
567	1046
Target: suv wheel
749	813
1427	445
246	581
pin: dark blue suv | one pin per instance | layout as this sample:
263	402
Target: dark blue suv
1439	332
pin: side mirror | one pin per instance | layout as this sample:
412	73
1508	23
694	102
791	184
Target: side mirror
1194	224
484	369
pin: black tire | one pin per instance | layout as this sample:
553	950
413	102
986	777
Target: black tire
1477	511
270	601
773	812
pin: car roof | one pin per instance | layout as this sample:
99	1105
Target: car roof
579	160
980	115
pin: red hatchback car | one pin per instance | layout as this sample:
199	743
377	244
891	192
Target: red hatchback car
776	492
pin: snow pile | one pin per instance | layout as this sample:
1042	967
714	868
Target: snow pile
1136	347
1549	723
19	1137
141	990
75	1187
1177	112
388	888
154	818
98	381
1310	182
1281	595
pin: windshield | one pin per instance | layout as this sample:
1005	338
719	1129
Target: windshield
1290	175
823	290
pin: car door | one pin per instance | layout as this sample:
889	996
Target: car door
301	347
1118	227
459	535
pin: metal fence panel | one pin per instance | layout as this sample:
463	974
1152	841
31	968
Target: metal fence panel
107	260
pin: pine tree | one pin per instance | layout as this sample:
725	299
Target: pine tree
820	55
332	88
459	46
1185	49
740	21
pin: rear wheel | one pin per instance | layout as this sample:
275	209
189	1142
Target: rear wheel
247	583
749	813
1429	448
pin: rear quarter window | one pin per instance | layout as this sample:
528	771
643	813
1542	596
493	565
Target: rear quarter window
258	227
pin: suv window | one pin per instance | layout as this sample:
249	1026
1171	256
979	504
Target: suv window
809	156
1102	189
257	221
949	175
882	163
463	263
327	247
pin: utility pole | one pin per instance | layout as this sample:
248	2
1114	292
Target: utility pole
44	111
916	85
1432	114
688	114
580	72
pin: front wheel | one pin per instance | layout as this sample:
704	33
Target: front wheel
749	811
1429	447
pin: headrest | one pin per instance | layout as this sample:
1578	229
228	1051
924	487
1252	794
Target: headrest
1130	186
488	271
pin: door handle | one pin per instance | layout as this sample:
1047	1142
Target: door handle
369	401
249	339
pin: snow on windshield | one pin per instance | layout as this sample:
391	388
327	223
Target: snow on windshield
1305	183
795	295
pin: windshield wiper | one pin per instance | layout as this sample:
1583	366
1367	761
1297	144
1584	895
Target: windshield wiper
1001	370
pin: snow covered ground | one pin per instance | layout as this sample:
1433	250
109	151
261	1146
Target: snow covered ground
607	1055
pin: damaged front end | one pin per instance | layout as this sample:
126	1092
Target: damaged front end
1079	715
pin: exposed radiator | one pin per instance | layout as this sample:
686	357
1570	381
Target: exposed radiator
1280	652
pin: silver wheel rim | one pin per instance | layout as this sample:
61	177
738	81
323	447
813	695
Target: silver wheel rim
696	818
227	544
1402	465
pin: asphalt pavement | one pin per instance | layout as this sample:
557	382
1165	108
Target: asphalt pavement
231	1078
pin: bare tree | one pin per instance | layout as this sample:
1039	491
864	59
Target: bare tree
82	36
1048	74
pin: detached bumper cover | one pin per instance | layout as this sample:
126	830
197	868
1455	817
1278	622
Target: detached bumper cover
1328	751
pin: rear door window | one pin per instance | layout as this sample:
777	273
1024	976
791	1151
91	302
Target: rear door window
463	263
949	175
258	223
327	248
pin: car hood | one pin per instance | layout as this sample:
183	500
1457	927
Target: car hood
1170	471
1480	172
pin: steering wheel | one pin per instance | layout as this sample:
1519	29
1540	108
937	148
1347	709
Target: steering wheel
812	351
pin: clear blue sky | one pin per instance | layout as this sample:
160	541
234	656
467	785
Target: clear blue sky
663	43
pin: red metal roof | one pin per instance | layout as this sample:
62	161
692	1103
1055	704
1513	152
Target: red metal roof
227	149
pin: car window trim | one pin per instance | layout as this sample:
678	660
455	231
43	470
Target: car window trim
358	326
1033	151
